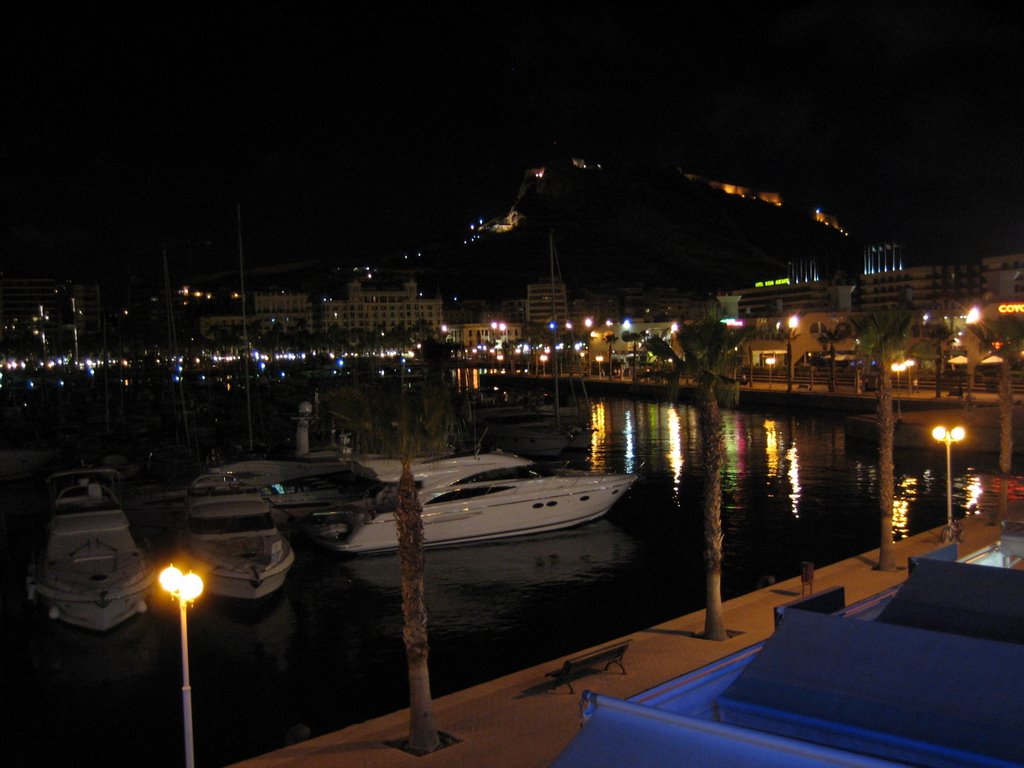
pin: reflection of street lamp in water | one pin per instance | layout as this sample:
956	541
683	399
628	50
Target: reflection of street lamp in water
949	437
770	362
184	588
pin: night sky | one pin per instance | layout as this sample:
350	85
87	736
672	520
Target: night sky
352	134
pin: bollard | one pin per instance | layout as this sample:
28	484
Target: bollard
806	577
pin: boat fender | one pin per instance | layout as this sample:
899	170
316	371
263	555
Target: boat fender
54	612
141	607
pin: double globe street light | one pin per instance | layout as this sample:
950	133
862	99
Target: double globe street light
949	436
184	588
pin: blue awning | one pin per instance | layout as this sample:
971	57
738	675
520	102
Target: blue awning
620	733
906	694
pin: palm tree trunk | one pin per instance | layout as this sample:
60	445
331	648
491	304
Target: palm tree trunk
886	432
711	454
423	736
1005	418
1005	435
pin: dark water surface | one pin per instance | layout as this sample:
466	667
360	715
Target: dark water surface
327	651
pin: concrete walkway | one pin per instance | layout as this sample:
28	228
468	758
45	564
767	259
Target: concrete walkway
518	721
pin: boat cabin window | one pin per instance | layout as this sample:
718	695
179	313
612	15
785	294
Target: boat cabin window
221	489
342	482
233	524
86	498
467	493
524	472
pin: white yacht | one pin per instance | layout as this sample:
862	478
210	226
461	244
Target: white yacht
90	572
467	499
232	540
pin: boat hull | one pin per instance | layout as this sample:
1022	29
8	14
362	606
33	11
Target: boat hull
574	502
231	539
248	586
98	613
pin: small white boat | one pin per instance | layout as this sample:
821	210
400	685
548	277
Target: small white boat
468	499
232	540
90	573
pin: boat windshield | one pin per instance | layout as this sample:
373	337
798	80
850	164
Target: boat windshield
262	523
346	482
522	472
461	494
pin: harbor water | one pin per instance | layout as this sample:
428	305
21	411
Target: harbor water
327	650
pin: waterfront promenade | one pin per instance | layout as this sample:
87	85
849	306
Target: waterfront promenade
761	392
517	720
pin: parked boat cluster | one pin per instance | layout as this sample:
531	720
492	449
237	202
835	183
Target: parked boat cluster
236	521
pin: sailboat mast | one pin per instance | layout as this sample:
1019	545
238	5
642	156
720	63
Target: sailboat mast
172	341
554	322
245	326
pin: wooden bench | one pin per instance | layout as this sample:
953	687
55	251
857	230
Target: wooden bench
574	667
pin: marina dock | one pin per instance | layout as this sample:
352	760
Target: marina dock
521	720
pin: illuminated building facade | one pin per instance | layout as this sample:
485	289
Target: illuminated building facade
941	289
48	308
546	301
373	309
289	310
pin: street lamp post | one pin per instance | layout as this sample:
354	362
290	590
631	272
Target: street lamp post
949	437
184	588
793	323
899	368
770	362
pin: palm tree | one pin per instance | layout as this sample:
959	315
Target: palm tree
398	422
610	338
665	350
631	337
1003	334
939	335
828	338
710	349
884	338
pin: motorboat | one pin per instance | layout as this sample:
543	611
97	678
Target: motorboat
232	540
311	480
25	463
296	487
527	432
465	499
90	572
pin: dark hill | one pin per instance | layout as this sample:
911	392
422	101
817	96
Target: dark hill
635	226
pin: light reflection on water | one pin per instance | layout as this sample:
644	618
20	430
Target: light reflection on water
328	650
